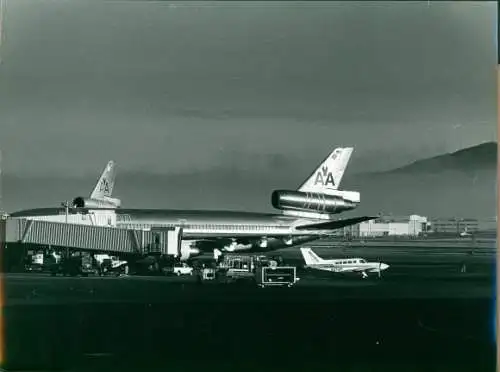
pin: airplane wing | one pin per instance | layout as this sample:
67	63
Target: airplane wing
356	270
337	224
329	225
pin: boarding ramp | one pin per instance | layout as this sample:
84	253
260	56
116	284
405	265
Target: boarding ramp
161	240
94	218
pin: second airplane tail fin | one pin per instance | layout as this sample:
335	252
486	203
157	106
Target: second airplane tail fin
105	184
330	172
310	257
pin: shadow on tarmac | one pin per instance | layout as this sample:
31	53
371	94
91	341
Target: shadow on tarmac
415	317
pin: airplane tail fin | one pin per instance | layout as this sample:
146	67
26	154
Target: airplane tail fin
310	257
329	173
104	187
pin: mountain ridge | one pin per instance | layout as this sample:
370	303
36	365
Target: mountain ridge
483	155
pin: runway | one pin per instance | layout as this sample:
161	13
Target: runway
424	283
423	311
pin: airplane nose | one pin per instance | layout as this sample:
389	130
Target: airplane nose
384	266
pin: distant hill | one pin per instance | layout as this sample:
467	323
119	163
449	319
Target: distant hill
482	156
461	184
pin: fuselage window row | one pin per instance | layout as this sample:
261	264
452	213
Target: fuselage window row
213	227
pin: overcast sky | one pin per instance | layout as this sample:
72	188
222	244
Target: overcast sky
194	86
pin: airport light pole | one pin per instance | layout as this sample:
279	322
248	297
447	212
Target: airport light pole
65	204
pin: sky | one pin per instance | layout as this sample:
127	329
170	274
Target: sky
188	87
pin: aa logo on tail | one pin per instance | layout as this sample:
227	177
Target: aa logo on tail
324	178
104	186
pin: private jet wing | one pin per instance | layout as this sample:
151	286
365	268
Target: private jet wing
355	269
340	269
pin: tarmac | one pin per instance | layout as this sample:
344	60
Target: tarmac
422	312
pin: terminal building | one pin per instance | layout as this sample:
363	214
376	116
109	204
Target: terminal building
455	225
413	225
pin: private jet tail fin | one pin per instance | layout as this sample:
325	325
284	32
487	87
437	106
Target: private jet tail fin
330	172
104	187
310	257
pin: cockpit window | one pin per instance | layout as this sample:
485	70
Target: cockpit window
362	261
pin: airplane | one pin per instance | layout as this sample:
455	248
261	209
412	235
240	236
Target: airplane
343	265
307	214
465	233
100	197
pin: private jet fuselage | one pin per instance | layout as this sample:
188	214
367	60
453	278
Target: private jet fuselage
343	265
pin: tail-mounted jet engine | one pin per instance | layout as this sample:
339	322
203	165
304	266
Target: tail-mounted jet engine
311	202
81	202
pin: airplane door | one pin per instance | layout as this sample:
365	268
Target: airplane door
165	241
158	241
174	241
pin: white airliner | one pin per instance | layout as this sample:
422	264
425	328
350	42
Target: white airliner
343	265
101	195
305	214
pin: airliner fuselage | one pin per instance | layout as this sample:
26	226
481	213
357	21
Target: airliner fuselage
227	230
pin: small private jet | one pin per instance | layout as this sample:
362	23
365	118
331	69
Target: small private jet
344	265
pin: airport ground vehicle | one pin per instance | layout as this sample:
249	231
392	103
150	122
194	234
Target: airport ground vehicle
71	263
259	270
235	268
272	276
54	263
106	264
205	274
73	266
179	269
35	262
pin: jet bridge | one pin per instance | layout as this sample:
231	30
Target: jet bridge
114	240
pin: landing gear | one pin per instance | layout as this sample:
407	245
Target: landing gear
463	267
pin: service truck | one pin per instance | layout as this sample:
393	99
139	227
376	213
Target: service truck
179	269
73	266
